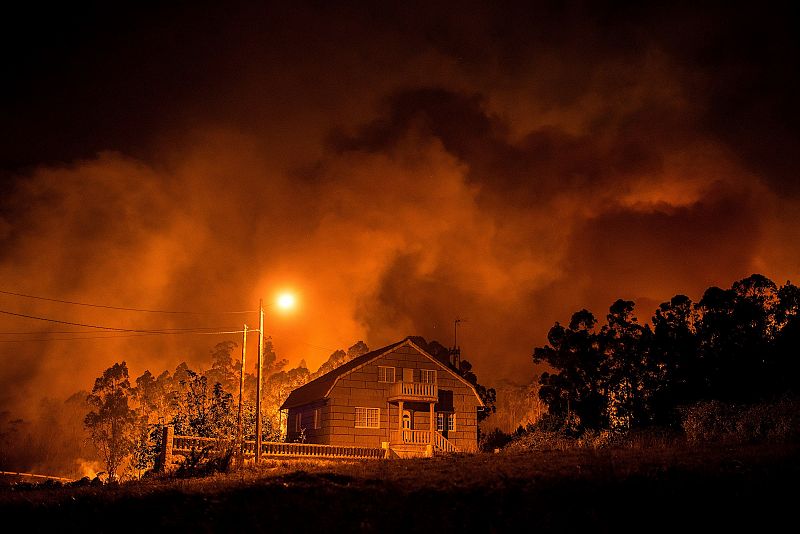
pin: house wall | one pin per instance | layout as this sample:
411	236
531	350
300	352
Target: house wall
308	433
361	388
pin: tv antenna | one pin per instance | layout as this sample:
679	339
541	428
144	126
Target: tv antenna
455	352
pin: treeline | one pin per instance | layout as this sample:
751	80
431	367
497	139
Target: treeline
734	346
126	419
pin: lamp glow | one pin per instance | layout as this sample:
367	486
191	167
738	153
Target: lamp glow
286	301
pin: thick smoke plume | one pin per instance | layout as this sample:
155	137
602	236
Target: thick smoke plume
396	171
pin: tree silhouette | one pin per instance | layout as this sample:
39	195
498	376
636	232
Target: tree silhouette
575	391
112	425
735	345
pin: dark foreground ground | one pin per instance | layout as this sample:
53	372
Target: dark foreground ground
659	489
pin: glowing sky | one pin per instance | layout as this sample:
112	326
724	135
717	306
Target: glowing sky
396	165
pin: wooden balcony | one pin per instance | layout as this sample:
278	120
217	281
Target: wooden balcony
413	392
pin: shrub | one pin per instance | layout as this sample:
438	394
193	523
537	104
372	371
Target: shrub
204	462
714	421
496	439
541	440
707	421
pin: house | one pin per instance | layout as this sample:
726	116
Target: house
398	397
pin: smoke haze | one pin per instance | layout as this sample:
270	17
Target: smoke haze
397	167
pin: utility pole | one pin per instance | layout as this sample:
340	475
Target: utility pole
258	377
239	433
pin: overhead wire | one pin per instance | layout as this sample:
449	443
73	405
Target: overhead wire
29	340
144	310
109	328
121	332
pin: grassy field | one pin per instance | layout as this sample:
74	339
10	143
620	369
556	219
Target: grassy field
652	489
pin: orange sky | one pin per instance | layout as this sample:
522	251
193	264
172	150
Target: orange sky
397	168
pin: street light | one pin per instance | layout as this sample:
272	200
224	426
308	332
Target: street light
285	301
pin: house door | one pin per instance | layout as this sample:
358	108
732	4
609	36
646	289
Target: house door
406	420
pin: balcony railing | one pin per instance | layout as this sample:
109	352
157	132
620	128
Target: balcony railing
413	391
406	435
421	437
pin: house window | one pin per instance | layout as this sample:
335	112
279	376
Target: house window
443	419
317	418
368	417
427	376
385	374
298	420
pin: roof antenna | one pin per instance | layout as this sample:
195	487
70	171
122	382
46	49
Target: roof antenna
455	352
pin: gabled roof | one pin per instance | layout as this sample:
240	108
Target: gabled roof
320	387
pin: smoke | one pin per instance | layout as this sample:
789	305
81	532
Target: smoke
396	173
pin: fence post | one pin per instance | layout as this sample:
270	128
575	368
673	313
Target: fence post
167	436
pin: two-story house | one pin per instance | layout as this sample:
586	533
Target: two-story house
398	397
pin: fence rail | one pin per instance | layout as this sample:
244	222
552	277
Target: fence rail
182	445
34	476
406	435
422	437
443	444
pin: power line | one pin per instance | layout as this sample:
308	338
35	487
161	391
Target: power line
160	330
182	312
45	332
110	328
142	334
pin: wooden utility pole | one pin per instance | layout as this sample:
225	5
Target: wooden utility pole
239	432
258	377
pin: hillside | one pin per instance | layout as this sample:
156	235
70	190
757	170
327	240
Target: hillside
622	489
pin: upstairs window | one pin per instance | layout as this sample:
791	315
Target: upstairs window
427	376
316	418
368	417
298	420
385	374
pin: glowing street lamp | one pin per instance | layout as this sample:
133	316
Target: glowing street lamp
285	301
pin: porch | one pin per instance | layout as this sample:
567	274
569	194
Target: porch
426	441
407	441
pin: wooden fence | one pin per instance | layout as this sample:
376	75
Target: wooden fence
184	445
26	476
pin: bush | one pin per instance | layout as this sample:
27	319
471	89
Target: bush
496	439
714	421
202	462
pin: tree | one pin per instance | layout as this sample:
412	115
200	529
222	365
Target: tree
674	350
787	340
628	376
357	349
487	395
223	369
112	424
575	393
